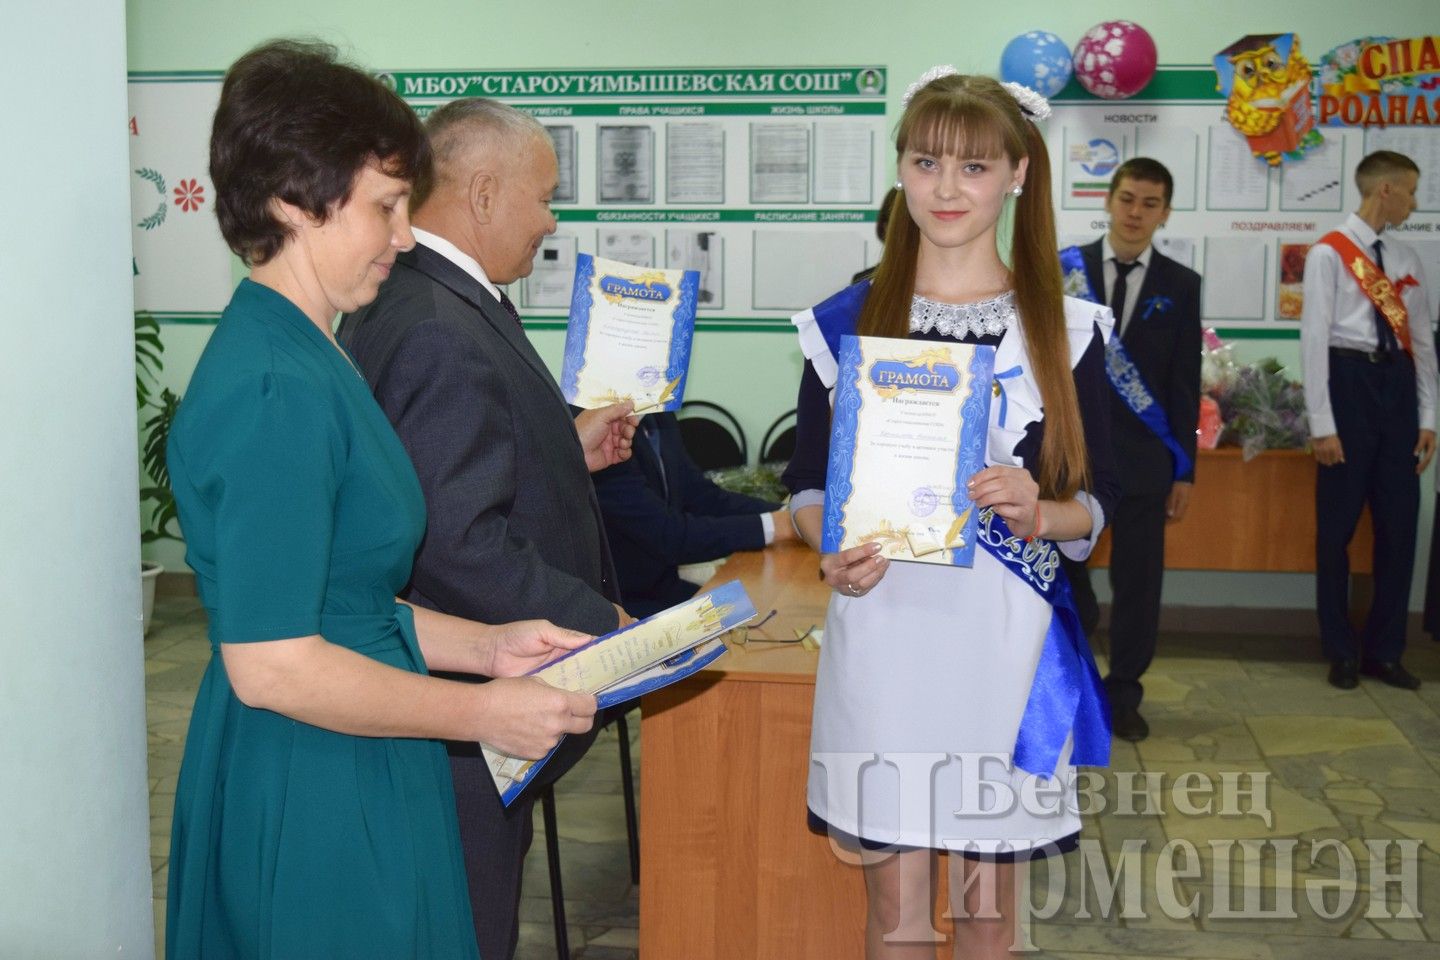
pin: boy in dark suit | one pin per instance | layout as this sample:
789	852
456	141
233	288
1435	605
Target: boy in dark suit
661	511
1156	302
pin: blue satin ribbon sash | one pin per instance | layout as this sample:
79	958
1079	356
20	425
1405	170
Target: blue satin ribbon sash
1067	696
1124	376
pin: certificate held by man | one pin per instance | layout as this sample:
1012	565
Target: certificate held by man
908	432
629	335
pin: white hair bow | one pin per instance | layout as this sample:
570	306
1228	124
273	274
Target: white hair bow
929	76
1032	104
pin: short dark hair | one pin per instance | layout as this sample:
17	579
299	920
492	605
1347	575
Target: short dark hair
1143	168
296	124
1377	166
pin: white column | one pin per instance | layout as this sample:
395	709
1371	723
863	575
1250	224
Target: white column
74	813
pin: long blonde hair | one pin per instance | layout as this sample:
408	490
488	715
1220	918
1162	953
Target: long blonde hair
975	117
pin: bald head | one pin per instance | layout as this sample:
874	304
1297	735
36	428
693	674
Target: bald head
473	134
494	175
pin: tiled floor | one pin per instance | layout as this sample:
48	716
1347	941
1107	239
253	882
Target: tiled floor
1351	767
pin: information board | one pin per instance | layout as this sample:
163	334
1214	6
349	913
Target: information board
1244	225
765	180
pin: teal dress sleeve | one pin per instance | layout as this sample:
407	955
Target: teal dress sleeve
271	469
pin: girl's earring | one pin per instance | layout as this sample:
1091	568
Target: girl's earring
1016	190
899	185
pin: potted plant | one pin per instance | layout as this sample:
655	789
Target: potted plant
157	503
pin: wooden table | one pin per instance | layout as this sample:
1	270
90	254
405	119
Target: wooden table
1255	516
728	869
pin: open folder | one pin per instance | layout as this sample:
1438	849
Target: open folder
634	660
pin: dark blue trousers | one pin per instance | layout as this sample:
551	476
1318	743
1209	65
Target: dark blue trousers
1137	575
1377	421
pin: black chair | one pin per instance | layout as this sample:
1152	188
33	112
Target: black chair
712	436
552	833
779	443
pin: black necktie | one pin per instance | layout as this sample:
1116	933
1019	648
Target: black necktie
510	309
652	436
1384	334
1117	293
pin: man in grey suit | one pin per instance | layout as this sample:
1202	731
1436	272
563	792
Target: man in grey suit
514	530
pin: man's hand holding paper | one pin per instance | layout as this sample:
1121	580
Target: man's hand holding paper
606	434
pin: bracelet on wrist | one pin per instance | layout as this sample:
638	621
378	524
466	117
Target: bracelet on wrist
1036	528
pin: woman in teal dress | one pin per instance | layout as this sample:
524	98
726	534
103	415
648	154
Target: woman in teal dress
314	816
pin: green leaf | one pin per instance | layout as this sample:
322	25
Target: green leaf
163	519
155	219
153	176
148	348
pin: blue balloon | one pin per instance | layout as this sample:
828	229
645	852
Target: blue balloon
1039	60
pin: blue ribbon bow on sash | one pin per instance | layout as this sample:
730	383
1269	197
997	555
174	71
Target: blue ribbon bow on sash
1124	376
1000	377
1066	696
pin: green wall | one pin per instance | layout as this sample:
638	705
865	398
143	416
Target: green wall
753	374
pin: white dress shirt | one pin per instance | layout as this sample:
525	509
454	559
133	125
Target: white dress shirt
1133	280
1338	314
456	256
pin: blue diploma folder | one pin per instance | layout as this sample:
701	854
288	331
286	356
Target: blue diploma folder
732	607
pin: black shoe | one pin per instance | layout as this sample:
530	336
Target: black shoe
1127	724
1391	674
1343	674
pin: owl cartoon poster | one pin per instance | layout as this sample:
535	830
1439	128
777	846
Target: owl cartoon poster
1266	82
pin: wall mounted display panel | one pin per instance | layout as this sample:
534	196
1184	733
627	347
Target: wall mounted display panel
674	166
1250	223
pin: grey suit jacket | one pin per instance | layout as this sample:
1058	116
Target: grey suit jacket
513	531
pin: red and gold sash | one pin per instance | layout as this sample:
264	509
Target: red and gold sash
1373	283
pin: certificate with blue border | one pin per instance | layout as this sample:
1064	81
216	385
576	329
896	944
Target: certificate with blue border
909	430
631	662
629	335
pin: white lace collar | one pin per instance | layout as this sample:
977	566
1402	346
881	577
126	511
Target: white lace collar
986	318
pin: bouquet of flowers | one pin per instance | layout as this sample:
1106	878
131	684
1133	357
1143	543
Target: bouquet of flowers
1261	407
1218	366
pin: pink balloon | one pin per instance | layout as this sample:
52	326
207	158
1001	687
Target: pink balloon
1115	59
